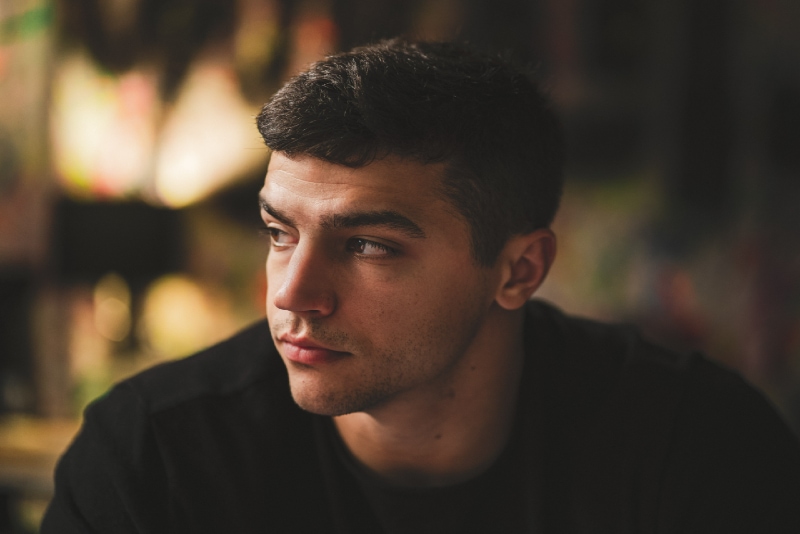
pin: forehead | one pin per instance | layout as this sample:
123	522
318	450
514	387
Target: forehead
392	183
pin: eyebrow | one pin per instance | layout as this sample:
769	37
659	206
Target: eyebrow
355	219
275	213
387	219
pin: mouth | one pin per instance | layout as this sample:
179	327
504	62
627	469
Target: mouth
307	352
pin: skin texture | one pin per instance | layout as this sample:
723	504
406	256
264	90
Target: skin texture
385	321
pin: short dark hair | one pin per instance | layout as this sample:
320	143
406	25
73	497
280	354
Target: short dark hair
432	102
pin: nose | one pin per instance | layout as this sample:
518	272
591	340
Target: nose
307	285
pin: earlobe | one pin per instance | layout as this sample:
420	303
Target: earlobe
526	260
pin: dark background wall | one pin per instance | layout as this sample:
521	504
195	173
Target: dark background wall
682	120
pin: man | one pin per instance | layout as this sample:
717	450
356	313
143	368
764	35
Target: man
405	382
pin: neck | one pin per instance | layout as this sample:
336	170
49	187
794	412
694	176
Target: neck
452	429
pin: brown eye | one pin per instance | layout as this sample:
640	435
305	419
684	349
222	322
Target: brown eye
365	247
279	237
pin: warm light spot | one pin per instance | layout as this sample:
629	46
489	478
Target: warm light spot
89	352
209	138
102	129
112	307
181	317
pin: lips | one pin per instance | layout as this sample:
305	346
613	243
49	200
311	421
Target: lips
307	352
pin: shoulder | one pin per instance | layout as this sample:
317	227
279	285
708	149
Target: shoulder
608	371
622	362
616	364
701	446
169	431
242	361
589	346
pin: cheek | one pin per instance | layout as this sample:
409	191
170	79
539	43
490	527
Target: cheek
407	303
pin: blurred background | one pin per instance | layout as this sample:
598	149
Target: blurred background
130	163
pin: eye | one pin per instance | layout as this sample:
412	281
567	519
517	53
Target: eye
367	248
278	237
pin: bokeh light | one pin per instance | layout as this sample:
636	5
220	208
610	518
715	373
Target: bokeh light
112	307
181	316
209	137
102	129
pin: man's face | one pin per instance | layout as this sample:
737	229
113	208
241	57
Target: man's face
373	292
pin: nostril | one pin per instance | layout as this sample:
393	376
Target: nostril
305	295
310	304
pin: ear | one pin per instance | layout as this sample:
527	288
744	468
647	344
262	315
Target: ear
524	262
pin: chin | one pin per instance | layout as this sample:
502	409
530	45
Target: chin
333	403
328	406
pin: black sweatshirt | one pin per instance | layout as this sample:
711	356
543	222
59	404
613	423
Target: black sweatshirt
613	435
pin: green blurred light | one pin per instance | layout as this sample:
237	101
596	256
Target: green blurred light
26	24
